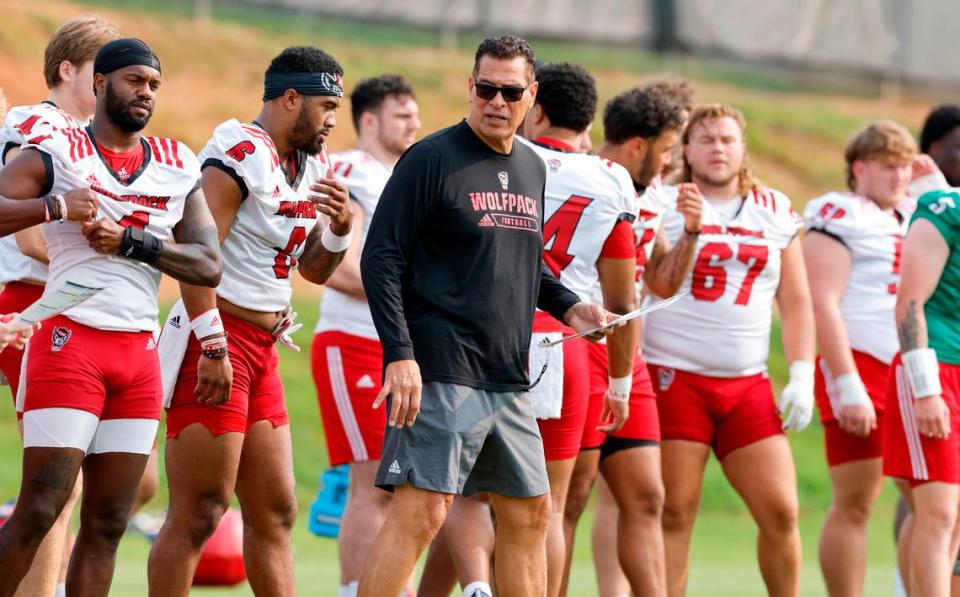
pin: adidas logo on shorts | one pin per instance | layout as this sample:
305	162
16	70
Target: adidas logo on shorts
365	383
175	321
394	468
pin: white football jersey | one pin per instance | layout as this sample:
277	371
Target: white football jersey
654	202
18	126
262	248
152	198
365	178
721	327
875	239
584	199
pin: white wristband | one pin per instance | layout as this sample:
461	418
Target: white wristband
852	390
620	387
207	324
334	243
923	372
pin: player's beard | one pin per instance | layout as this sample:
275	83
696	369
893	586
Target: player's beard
304	136
648	170
119	112
717	180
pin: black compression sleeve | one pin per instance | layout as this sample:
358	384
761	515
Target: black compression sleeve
554	297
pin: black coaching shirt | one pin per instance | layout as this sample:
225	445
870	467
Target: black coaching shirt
453	261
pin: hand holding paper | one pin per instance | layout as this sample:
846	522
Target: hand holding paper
619	320
55	302
15	333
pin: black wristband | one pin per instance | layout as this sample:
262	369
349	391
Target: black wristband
690	232
140	245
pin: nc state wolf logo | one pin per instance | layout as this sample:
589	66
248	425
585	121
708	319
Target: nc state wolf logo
665	378
504	179
60	337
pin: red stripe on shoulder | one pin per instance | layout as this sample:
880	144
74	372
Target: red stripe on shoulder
175	148
263	136
156	149
76	151
87	145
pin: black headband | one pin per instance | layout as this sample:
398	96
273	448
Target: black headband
124	52
276	84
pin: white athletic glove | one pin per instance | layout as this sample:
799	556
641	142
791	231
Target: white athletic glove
285	329
797	397
852	391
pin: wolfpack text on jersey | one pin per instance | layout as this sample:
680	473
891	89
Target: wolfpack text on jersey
261	250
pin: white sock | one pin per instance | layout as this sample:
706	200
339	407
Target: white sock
349	590
61	590
899	590
478	588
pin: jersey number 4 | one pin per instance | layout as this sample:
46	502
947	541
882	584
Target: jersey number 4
710	275
285	259
558	232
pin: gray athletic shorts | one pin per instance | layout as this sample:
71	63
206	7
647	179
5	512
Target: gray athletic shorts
467	441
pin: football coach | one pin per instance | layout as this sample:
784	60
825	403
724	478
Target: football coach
453	270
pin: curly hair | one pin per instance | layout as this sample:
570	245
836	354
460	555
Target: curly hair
939	123
679	91
505	47
883	139
304	59
747	179
567	94
369	94
640	112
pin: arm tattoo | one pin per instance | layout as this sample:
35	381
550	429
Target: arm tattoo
908	329
681	256
658	252
317	263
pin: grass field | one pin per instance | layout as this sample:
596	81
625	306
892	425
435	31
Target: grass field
213	71
723	550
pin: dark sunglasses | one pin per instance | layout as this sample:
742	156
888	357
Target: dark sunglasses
486	91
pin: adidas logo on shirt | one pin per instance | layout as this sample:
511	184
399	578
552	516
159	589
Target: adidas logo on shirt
395	468
365	383
486	221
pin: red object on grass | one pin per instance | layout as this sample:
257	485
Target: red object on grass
221	562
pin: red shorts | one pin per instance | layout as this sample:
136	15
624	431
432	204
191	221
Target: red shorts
723	412
257	392
561	437
841	446
908	454
348	370
113	375
16	297
643	424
